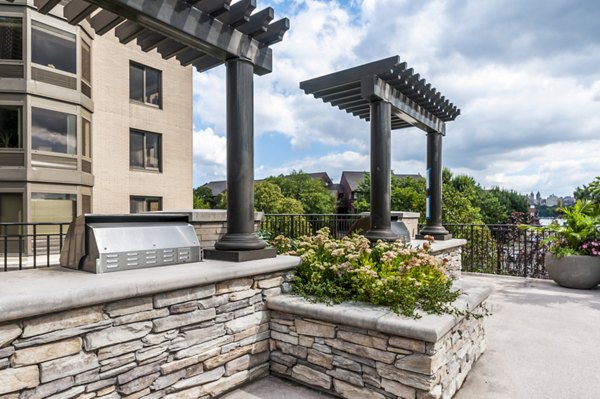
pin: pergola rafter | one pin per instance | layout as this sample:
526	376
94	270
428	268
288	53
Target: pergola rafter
391	96
209	32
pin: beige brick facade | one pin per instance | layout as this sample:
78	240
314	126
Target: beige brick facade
115	114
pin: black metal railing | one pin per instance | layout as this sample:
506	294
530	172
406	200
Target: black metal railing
502	249
30	245
297	225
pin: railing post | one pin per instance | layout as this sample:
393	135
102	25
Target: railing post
35	246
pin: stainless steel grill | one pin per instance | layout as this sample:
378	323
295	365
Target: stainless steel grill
108	243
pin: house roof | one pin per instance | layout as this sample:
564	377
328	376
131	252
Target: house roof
217	187
355	178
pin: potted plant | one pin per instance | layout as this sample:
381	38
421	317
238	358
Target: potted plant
573	258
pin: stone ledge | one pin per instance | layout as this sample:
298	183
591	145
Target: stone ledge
430	328
30	293
440	246
208	215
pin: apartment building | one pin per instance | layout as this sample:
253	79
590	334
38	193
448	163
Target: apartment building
88	124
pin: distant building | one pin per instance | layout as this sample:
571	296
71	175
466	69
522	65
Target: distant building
553	201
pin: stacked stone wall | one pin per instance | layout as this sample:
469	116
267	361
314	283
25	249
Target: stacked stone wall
190	343
453	261
360	363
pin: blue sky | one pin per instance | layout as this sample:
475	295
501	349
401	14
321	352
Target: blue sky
524	74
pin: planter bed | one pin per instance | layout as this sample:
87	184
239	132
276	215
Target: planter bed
357	350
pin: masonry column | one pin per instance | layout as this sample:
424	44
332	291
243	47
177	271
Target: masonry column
433	207
240	159
381	173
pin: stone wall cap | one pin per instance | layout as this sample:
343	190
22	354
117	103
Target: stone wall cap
439	246
208	215
429	328
28	293
399	214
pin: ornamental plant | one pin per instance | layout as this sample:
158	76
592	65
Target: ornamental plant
580	233
350	269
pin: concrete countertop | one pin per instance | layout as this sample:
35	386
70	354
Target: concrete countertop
439	246
30	293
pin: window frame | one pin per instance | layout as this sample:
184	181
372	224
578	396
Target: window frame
19	109
144	69
145	134
53	30
21	60
147	200
76	118
84	45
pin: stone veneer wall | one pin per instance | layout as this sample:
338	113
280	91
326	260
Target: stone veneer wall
357	350
453	258
188	343
211	224
359	363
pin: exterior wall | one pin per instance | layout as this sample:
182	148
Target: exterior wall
453	261
185	343
360	363
115	114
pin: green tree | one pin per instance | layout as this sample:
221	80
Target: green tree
589	192
312	193
203	198
268	198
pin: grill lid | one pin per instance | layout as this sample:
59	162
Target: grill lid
107	243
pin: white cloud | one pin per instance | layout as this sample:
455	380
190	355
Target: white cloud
527	86
210	154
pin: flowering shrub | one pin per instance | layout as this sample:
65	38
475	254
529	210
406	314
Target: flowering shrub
579	235
349	269
591	247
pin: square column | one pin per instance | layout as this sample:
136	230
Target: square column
433	205
381	173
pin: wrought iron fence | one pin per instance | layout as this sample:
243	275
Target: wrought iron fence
30	245
502	249
494	249
297	225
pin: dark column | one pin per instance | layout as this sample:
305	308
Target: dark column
240	159
433	211
381	173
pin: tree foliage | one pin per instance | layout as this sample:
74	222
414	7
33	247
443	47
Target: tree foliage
203	198
312	193
463	199
268	198
589	192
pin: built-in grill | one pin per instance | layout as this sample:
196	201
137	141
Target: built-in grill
109	243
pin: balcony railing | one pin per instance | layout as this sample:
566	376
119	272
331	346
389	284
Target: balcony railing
30	245
494	249
296	225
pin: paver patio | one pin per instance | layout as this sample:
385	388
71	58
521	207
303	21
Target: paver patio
543	342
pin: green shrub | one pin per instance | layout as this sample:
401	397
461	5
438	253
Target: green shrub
390	274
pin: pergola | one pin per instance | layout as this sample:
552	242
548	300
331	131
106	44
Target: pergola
205	34
391	96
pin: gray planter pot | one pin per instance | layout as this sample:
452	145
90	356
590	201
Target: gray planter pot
575	271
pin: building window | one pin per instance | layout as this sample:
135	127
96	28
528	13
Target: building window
144	84
86	69
11	38
11	210
52	208
53	131
144	204
53	48
144	150
86	138
10	127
